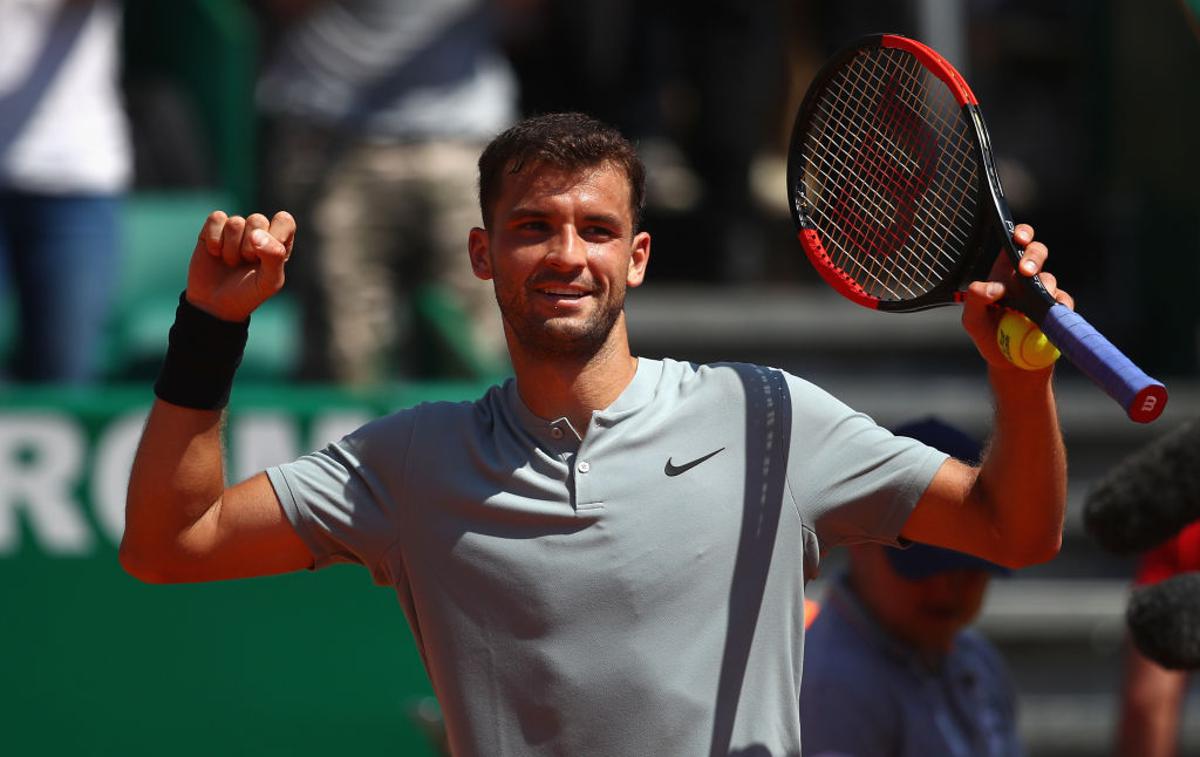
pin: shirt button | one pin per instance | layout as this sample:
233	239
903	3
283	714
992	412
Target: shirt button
556	433
583	467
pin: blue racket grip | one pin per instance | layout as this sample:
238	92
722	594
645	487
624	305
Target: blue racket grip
1142	397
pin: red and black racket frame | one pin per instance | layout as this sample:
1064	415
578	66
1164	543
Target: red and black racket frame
1142	397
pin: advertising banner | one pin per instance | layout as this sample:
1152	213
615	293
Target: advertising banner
96	662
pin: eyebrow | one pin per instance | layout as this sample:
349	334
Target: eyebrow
601	218
520	212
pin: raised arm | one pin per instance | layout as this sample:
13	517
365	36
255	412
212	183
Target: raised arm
1010	510
181	522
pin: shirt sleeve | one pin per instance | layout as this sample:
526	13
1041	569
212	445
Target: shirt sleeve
344	504
852	480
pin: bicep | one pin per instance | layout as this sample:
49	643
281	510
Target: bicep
947	516
245	533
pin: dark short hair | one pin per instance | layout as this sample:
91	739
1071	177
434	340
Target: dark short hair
568	141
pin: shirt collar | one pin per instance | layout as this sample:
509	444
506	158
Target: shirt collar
640	391
559	431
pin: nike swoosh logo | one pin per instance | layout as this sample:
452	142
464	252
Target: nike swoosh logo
674	470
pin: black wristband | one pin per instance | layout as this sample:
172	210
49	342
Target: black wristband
203	353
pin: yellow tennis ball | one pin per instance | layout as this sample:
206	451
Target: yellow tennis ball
1023	343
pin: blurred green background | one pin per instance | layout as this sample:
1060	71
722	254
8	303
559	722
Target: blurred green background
97	663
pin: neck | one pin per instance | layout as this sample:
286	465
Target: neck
574	386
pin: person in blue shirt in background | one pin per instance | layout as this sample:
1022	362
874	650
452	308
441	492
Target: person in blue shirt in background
890	666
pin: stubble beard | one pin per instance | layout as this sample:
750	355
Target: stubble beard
559	338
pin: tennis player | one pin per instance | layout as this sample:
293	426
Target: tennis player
607	554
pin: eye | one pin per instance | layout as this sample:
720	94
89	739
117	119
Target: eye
599	233
533	226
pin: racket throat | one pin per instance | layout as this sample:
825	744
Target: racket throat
1031	297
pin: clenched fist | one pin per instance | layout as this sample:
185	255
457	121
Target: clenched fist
238	263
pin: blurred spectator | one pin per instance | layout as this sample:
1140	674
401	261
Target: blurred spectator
1152	697
378	112
64	167
889	667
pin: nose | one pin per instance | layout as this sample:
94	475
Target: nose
567	250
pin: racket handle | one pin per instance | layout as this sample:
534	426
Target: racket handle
1142	397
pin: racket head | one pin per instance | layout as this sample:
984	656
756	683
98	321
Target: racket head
897	203
886	176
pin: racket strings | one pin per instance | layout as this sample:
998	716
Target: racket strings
854	215
961	164
890	174
881	164
924	103
864	232
915	136
850	228
910	147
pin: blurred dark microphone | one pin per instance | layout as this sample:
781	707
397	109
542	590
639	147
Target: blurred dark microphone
1164	621
1149	496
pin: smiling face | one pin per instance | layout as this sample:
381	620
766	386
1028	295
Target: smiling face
561	252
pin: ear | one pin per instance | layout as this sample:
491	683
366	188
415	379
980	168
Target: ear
639	258
477	248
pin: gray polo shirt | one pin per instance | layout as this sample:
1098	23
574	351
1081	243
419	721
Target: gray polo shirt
867	694
636	592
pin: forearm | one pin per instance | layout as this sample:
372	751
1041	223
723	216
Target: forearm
1022	483
179	462
1009	510
181	522
177	478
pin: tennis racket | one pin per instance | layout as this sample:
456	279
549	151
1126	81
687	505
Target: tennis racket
897	203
